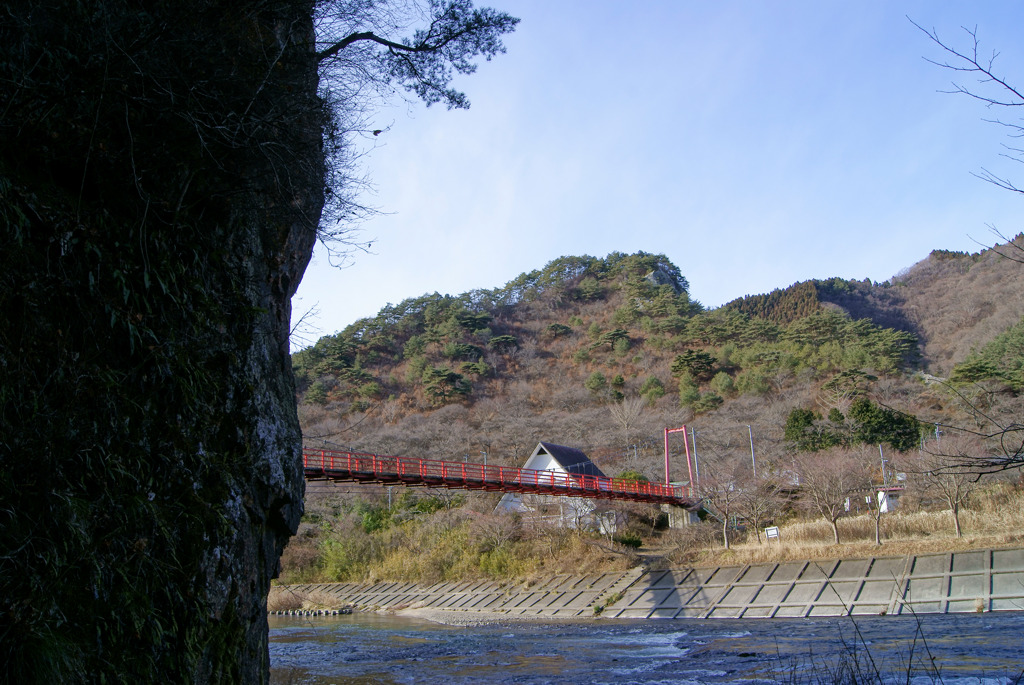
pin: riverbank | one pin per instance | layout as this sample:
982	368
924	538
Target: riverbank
428	537
807	541
952	582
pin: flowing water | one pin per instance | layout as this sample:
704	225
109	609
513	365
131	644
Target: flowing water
369	648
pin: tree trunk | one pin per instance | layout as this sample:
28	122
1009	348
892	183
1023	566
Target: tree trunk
725	531
835	530
955	508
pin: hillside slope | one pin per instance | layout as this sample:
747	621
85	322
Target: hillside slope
953	302
603	353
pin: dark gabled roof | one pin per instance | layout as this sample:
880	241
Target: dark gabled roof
571	459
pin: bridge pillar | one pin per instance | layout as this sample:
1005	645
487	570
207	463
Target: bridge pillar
678	517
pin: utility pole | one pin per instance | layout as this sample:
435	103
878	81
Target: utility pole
686	444
696	464
753	462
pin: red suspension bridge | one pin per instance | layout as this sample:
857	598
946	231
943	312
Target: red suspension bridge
373	468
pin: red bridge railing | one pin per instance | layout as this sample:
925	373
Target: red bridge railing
374	468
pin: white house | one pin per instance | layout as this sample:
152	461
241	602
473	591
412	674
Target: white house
576	512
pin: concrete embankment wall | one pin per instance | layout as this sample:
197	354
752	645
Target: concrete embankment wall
983	580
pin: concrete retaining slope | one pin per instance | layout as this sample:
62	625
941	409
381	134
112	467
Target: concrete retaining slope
990	580
558	597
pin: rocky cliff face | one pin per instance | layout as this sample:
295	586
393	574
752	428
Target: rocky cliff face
161	181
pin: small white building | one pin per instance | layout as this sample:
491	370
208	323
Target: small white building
574	512
889	497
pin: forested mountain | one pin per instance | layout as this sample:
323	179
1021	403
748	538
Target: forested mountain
603	353
952	302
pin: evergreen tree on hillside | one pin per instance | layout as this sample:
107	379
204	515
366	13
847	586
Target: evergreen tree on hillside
1001	360
806	431
875	425
781	306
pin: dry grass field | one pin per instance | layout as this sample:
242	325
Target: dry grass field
993	519
463	544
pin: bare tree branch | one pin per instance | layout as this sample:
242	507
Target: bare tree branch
992	90
1011	248
971	63
303	328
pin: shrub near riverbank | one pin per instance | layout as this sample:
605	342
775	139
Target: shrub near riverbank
429	537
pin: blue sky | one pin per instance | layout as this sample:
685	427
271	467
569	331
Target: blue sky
756	144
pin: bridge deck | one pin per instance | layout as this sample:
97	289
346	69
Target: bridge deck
374	468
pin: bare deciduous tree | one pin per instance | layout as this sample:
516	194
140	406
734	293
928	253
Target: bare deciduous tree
494	530
760	500
873	475
720	488
827	481
627	414
992	90
946	473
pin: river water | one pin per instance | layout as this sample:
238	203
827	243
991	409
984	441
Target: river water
367	648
